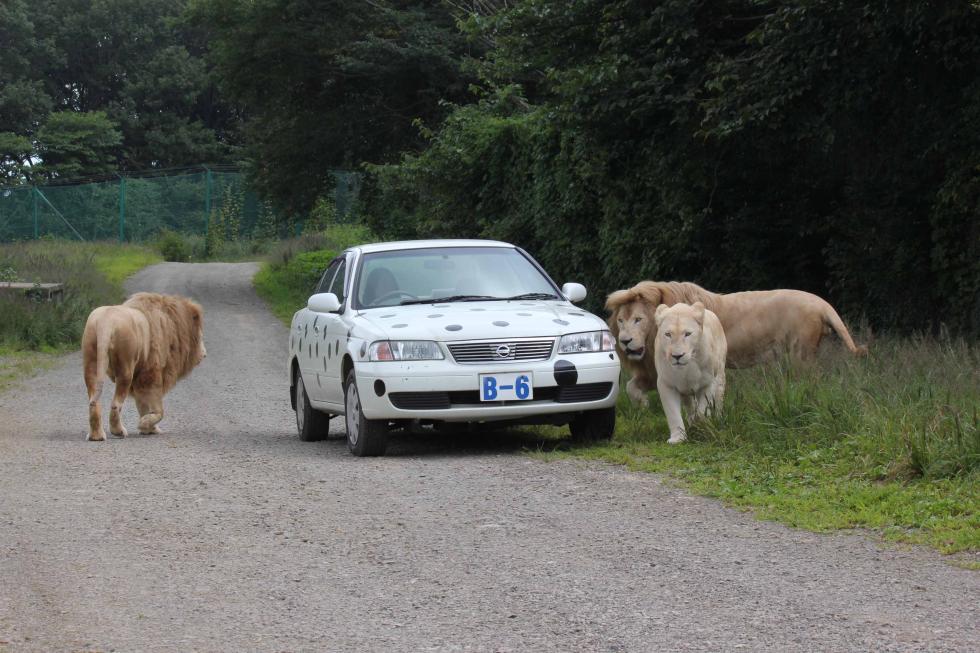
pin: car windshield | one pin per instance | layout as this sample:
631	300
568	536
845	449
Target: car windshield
443	274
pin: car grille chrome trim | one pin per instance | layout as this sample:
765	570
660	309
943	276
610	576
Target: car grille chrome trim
502	351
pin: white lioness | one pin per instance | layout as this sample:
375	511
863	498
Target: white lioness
689	354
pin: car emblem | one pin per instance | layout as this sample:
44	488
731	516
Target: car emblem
503	351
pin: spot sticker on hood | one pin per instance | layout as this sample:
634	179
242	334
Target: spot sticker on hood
561	322
434	315
454	327
501	323
398	326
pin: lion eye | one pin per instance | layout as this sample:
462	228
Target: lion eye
687	334
668	334
637	320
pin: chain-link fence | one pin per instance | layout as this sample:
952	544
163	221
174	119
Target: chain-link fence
138	206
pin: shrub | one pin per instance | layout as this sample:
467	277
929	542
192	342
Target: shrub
173	246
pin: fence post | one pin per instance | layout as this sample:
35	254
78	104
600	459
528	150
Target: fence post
122	207
37	233
207	200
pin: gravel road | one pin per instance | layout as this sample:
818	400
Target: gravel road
226	533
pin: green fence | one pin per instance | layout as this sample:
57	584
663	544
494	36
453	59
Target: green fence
137	206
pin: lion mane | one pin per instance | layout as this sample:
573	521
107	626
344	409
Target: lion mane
144	346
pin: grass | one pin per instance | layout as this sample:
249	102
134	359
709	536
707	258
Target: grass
33	332
889	443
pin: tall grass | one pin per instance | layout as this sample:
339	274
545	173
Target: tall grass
908	411
92	274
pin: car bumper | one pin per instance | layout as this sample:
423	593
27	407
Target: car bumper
440	390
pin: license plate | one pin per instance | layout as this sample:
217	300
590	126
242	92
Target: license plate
511	386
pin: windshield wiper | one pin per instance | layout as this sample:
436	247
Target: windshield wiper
450	298
532	295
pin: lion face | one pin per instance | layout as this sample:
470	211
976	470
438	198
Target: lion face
634	325
679	330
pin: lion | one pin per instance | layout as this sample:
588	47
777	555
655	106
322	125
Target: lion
760	325
145	346
689	355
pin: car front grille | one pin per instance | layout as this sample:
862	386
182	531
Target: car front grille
444	400
502	351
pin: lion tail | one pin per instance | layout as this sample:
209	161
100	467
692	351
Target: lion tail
832	320
95	350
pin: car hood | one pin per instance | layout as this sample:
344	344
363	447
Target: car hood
478	320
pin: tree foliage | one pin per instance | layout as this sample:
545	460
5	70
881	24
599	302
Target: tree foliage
332	83
741	144
132	60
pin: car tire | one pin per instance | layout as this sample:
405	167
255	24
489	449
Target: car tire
365	437
311	423
594	425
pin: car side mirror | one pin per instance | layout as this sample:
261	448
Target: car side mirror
575	292
323	302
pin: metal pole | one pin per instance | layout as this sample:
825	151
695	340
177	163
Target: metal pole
37	231
122	207
207	201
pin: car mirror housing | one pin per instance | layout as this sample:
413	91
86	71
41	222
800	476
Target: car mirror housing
575	292
324	302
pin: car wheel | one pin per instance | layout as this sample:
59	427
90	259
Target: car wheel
311	423
365	437
593	425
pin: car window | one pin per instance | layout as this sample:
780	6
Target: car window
339	282
388	278
328	275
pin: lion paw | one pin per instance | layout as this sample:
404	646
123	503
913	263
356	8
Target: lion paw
121	433
96	437
677	438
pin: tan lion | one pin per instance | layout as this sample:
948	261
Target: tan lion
145	346
689	355
759	325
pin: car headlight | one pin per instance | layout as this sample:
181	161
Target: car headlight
404	350
578	343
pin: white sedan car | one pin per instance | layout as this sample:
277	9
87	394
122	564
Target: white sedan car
447	332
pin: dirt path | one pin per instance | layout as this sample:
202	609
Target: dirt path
226	533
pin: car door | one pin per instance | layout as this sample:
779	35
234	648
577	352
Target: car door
334	334
328	334
312	354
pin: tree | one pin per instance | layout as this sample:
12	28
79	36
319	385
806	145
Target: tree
330	84
74	143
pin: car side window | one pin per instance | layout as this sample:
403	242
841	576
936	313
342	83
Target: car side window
328	276
339	283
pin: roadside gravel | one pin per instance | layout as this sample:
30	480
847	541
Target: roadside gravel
226	533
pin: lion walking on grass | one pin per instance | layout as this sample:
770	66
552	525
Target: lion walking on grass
144	346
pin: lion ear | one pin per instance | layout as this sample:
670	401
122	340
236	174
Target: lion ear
698	313
658	317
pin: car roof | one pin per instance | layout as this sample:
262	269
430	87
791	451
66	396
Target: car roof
422	244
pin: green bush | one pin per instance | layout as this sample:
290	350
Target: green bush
173	246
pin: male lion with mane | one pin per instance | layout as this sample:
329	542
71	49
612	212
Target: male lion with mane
760	325
145	346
